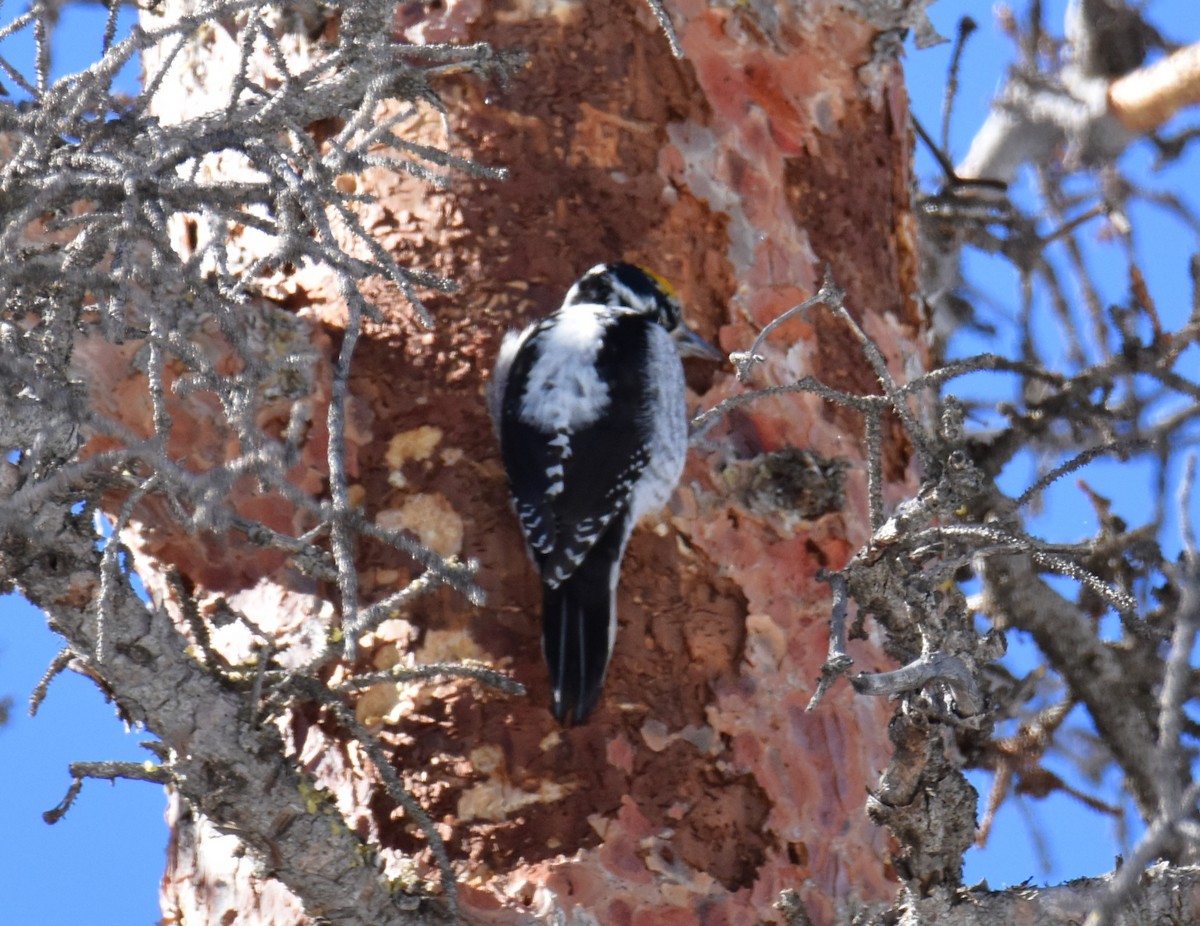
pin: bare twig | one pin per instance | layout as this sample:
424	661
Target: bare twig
107	771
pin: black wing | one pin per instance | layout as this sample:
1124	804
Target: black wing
599	463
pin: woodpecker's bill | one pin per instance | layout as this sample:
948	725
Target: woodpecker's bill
589	405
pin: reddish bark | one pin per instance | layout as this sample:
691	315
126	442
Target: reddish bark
700	788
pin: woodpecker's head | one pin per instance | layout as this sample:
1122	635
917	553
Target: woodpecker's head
642	292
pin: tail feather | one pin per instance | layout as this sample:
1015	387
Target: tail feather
579	624
575	639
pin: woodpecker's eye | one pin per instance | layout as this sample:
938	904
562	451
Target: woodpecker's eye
670	315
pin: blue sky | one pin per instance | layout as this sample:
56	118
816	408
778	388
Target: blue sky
110	847
1076	841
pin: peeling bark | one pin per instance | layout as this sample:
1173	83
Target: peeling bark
701	785
768	166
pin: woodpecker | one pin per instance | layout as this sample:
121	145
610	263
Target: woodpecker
589	407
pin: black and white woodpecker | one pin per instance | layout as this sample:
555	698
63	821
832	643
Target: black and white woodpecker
590	407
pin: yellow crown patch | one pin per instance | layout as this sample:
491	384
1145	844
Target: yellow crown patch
667	289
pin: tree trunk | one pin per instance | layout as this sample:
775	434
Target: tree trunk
701	788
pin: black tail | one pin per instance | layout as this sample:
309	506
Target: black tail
579	626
